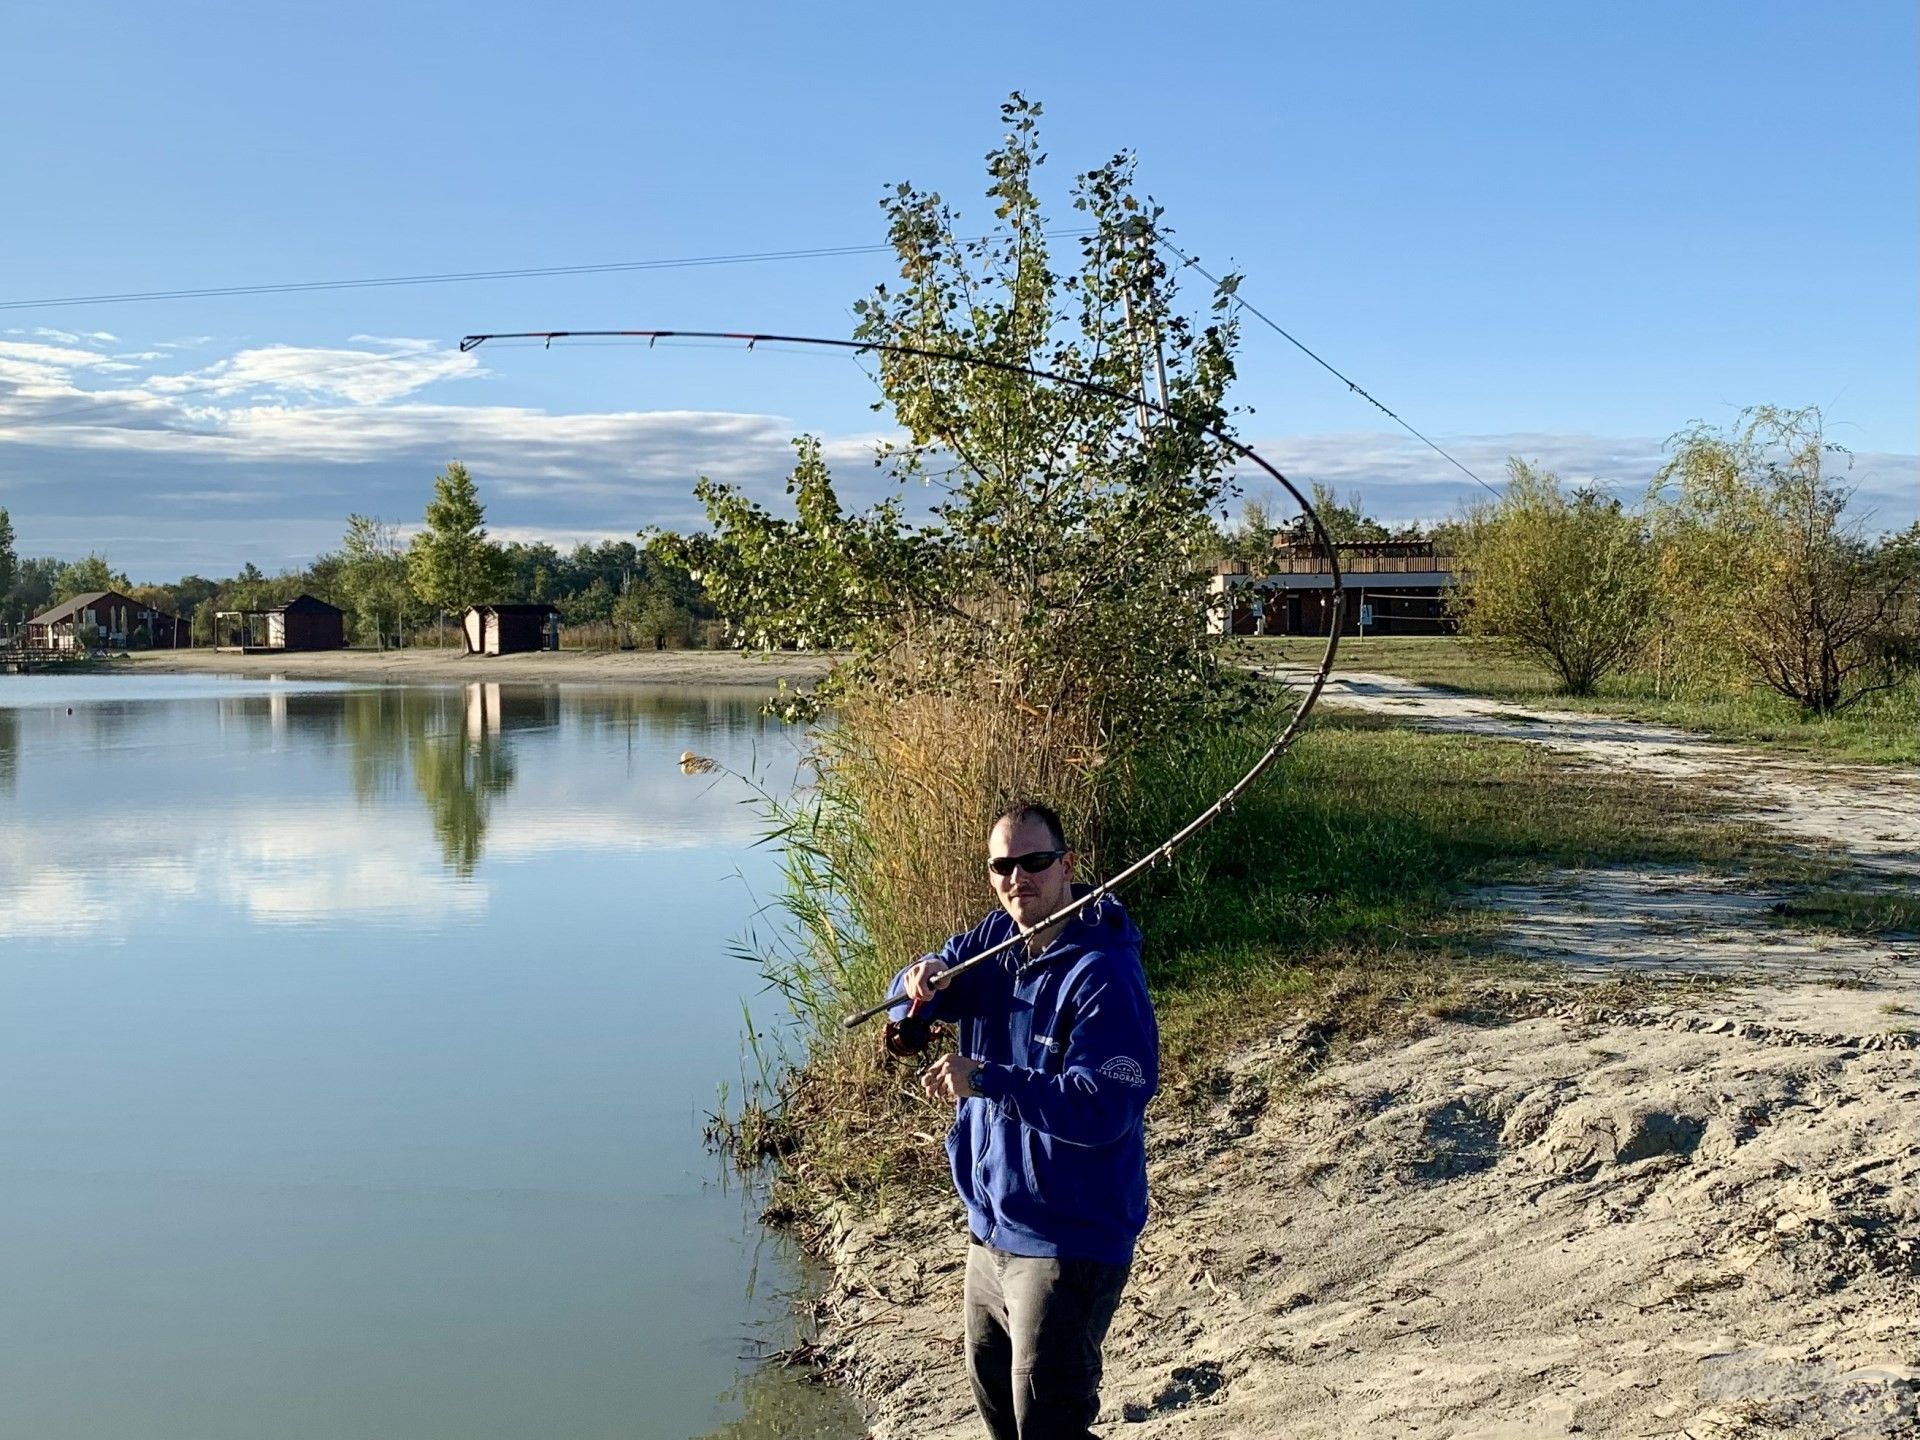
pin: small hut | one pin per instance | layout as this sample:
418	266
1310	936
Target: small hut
303	623
510	629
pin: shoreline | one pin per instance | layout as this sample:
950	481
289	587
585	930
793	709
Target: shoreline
425	666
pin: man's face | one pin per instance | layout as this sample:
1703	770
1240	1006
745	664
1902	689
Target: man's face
1028	898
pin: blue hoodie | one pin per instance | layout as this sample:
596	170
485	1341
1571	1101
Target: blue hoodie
1051	1159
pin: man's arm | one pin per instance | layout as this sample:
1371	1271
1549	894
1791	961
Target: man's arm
954	999
1111	1068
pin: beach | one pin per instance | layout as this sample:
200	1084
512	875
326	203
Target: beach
429	666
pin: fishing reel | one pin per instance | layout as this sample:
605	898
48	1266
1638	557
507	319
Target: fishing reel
909	1036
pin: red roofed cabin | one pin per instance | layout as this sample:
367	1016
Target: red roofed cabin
105	617
510	629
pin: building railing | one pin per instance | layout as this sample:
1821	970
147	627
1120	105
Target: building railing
1362	565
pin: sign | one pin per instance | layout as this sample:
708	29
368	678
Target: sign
1366	616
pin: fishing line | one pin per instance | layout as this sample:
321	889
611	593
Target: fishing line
1281	742
1352	385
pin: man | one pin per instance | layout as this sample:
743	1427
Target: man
1057	1057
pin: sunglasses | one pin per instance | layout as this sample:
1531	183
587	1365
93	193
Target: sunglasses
1033	862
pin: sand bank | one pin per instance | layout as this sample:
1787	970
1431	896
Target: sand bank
428	666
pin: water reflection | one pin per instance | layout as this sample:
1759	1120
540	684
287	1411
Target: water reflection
454	746
9	750
353	1044
133	808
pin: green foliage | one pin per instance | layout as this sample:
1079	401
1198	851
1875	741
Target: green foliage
82	577
1061	564
1564	580
373	578
1762	573
9	561
451	563
1344	521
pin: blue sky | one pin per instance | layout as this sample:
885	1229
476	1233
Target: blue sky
1555	230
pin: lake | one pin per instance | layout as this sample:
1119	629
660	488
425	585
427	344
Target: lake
355	1047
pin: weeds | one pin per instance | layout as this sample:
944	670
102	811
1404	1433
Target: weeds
1332	891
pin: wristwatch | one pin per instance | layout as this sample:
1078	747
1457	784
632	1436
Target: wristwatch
973	1081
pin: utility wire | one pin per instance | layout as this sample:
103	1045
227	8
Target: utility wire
295	287
1352	385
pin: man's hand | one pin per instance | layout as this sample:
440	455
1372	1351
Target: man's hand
950	1078
923	979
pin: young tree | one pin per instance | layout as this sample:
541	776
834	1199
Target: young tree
9	563
1062	565
373	577
83	576
1566	581
451	563
1762	572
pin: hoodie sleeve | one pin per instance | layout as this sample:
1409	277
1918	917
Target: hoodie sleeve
961	997
1110	1071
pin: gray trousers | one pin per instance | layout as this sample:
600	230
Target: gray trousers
1034	1331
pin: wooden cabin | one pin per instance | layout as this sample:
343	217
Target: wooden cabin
303	623
510	629
105	617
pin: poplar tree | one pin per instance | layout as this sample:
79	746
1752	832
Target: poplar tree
9	561
451	563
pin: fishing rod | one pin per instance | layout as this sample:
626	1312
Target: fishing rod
1281	742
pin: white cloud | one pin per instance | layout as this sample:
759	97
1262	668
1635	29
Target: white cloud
262	453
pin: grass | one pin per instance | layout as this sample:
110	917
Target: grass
1335	889
1852	912
1882	729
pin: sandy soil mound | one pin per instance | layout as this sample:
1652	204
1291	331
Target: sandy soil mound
1637	1223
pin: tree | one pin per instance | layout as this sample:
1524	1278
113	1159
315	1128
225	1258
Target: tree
451	563
9	562
1062	564
33	586
373	577
649	612
1043	630
1344	522
1566	581
1762	572
82	577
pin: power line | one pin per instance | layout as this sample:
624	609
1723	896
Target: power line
1352	385
453	277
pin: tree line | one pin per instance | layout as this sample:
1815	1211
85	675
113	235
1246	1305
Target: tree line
1740	566
401	590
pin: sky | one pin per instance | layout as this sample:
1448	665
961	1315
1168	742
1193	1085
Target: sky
1556	231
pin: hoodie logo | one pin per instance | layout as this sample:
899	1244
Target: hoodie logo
1125	1069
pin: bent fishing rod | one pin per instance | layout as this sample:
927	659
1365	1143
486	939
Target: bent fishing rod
1281	742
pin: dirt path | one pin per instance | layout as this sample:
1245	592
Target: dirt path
1695	1216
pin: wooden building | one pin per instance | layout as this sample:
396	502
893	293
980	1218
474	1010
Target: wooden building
303	623
510	629
105	618
1393	587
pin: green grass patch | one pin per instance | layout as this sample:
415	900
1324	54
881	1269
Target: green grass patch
1852	912
1881	729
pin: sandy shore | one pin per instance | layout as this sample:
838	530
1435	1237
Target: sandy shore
1695	1213
432	667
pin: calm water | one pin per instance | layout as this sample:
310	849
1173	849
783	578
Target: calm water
354	1048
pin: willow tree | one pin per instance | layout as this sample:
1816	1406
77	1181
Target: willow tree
1764	573
1561	579
1039	614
